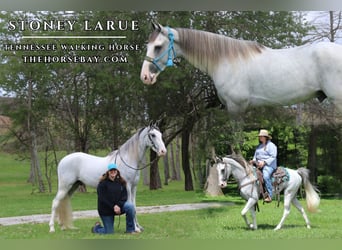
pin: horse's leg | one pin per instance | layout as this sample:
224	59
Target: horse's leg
249	205
131	198
287	206
65	209
138	228
61	206
61	194
254	225
296	203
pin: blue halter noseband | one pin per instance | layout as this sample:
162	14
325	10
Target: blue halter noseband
170	54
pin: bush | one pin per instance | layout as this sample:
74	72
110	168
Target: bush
328	184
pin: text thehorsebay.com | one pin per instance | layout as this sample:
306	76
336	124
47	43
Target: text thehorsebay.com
37	47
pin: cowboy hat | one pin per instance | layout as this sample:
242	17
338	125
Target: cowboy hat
264	132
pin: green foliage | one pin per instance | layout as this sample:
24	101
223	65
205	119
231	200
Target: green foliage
330	185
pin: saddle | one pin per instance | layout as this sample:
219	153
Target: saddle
279	176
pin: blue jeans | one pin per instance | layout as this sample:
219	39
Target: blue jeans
267	173
108	221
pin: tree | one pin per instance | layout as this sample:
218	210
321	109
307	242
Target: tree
327	26
29	84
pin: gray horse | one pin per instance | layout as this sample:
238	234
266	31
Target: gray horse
77	168
243	173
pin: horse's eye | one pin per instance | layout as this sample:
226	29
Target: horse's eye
157	48
152	135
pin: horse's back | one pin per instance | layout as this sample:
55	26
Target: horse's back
295	180
82	167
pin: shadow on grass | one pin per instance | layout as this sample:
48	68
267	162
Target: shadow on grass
263	227
244	227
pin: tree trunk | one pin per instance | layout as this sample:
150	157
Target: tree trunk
188	185
155	181
312	153
166	169
35	165
211	186
176	166
146	179
36	173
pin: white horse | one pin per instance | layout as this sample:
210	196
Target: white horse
243	173
77	168
246	73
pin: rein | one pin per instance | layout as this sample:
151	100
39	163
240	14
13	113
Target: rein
171	54
246	184
134	168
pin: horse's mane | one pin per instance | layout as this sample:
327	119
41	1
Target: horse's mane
130	144
241	161
206	49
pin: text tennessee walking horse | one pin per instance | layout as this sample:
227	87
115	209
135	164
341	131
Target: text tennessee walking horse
246	73
77	168
249	189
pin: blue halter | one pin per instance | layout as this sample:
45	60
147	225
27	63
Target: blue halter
170	54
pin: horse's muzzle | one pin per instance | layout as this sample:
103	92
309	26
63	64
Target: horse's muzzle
148	78
223	184
162	152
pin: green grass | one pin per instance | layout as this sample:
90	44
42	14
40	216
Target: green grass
17	198
218	223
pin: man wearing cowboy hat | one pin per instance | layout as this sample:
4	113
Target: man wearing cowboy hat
265	158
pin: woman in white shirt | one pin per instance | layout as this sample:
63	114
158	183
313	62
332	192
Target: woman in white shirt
265	158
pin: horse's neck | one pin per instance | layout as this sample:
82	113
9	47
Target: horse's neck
238	172
135	147
181	50
142	145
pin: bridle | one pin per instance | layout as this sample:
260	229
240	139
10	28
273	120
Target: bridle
225	177
170	51
153	146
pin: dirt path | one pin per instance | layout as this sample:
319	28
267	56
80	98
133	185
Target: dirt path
44	218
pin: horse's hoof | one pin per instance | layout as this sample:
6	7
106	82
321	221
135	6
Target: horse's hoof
308	226
52	230
276	229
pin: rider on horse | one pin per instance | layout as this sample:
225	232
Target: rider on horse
265	159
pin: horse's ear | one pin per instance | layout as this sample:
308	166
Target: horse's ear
156	26
215	160
153	125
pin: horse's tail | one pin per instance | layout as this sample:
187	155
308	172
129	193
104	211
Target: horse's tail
312	197
64	212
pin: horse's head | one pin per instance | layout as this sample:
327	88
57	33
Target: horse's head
155	140
160	53
223	172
